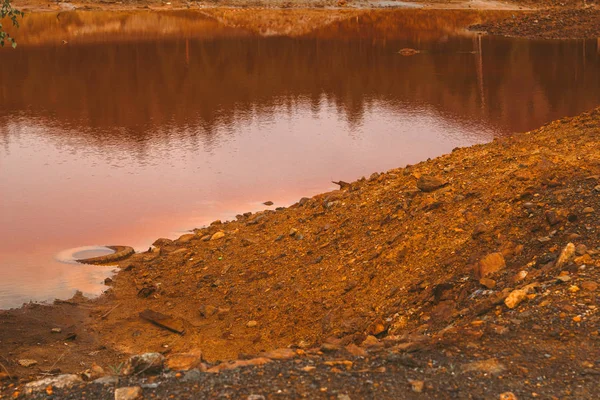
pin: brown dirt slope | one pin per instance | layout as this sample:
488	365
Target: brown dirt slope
385	255
488	255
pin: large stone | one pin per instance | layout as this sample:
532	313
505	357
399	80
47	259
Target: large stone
128	393
59	381
185	361
148	363
565	255
490	264
430	183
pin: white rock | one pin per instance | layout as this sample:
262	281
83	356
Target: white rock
59	381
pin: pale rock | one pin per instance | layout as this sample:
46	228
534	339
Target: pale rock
488	283
508	396
515	298
26	362
565	255
128	393
252	324
218	235
59	381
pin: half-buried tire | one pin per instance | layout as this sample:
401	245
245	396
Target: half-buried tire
121	253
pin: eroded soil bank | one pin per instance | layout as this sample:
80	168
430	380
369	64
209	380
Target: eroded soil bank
488	255
548	19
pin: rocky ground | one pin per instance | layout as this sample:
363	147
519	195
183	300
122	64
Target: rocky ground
469	275
581	23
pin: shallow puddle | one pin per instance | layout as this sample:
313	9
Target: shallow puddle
144	125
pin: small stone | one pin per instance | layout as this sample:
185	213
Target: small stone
515	298
56	330
577	318
597	188
589	286
490	366
252	324
268	203
27	362
293	232
355	350
106	380
430	183
490	264
255	397
508	396
520	276
581	249
207	310
488	283
588	210
128	393
552	218
565	255
584	259
185	238
574	289
416	386
371	341
218	235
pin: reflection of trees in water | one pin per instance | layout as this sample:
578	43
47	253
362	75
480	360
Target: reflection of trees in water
133	91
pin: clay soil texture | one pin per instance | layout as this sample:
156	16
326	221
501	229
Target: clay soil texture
469	275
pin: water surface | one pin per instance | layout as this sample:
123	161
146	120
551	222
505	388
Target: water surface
145	125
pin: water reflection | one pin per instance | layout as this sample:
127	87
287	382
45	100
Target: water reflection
114	141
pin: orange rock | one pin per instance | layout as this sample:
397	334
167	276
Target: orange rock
490	264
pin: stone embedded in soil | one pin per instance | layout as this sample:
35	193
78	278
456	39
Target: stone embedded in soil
508	396
185	361
488	283
239	363
60	381
251	324
515	298
491	366
589	286
430	183
128	393
217	235
147	363
565	255
490	264
27	362
279	354
416	386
